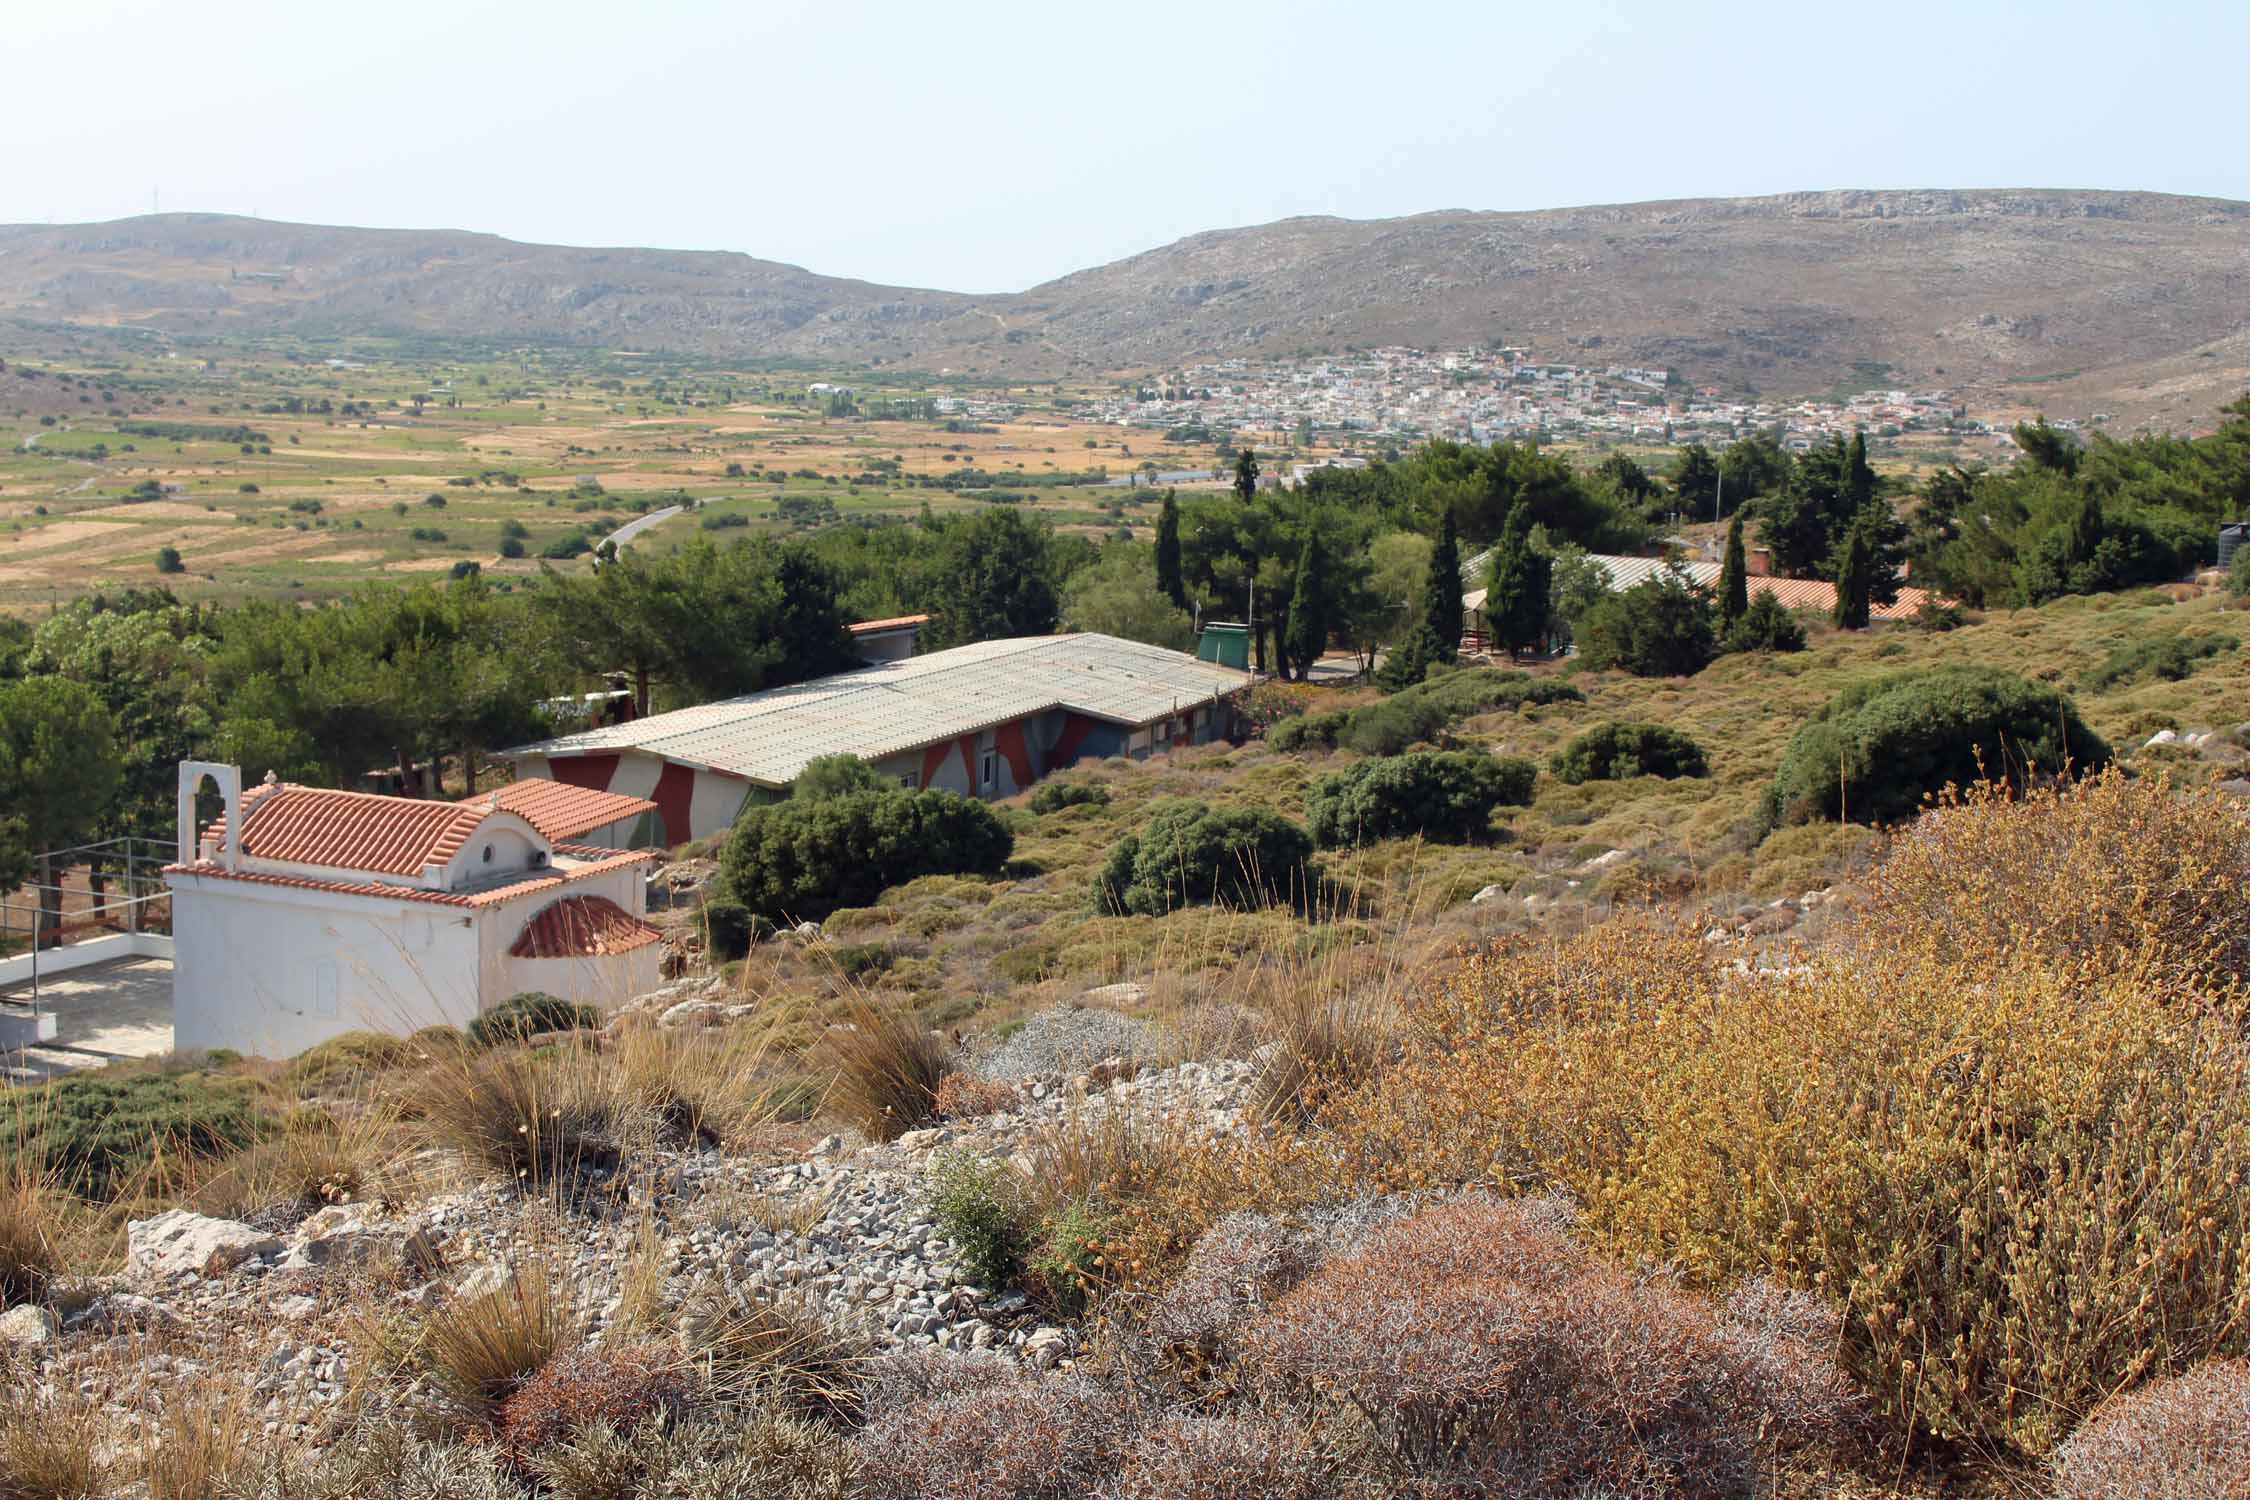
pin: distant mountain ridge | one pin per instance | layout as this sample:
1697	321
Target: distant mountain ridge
2137	300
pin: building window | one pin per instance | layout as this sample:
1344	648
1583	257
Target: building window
988	770
488	854
912	781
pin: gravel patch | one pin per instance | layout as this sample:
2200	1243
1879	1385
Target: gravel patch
1066	1040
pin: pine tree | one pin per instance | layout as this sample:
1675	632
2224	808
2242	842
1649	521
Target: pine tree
1734	578
1246	476
1170	582
1515	598
1441	594
1309	608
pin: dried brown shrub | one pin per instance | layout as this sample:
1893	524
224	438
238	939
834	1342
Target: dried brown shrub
2186	1438
781	1351
964	1096
2106	876
1222	1458
986	1429
619	1388
1482	1344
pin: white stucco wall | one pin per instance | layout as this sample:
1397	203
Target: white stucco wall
270	971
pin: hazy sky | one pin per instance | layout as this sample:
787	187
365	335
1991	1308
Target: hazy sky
985	147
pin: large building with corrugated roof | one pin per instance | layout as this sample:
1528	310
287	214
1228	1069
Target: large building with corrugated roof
1621	573
986	719
303	912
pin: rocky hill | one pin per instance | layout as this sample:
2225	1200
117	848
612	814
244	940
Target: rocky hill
2133	301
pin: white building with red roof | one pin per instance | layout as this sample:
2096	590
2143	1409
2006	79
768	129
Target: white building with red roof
304	912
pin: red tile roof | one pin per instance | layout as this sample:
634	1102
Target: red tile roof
489	896
582	927
561	811
307	825
1815	593
897	622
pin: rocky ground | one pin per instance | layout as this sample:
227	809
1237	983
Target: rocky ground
301	1311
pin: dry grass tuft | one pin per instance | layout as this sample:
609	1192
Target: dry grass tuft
1325	1042
33	1230
539	1120
480	1349
888	1066
204	1441
751	1348
49	1451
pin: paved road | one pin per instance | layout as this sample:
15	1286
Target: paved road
639	524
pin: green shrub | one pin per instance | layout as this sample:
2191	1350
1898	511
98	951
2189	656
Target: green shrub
2238	573
730	927
978	1209
1766	626
1191	854
1057	795
345	1058
1879	747
93	1133
1616	752
826	776
857	960
529	1014
1308	730
1422	711
802	859
2169	658
1434	794
1660	628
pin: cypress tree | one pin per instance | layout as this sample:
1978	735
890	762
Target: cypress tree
1246	476
1441	601
1854	568
1308	610
1515	597
1169	580
1859	479
1734	577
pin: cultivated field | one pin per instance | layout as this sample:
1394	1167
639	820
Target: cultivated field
302	473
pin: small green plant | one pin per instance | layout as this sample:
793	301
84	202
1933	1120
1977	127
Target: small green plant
1191	854
978	1205
1069	1262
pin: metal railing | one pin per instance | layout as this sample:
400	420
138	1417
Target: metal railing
123	881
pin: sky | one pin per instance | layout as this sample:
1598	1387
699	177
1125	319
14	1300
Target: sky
985	147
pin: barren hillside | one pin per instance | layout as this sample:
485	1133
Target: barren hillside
2129	302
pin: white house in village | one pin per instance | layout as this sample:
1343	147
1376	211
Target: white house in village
304	913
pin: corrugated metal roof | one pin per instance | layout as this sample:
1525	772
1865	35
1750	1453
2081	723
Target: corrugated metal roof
1794	593
890	707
